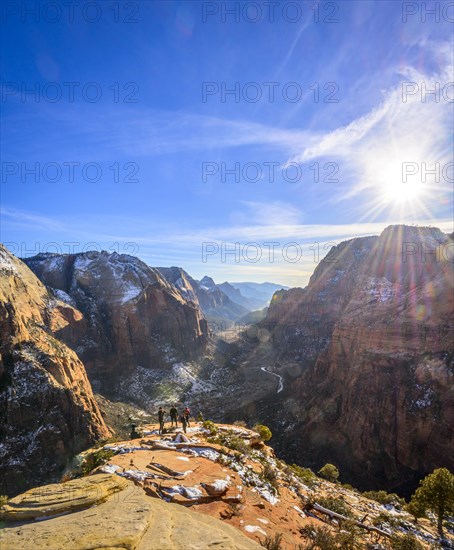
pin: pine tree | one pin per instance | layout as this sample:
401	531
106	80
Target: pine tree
329	472
436	493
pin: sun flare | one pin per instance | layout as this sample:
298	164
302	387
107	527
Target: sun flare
400	191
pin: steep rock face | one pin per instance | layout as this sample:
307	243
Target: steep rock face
133	316
47	409
372	334
214	303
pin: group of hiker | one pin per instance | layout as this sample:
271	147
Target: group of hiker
174	417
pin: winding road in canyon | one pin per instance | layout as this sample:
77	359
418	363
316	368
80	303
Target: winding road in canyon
281	381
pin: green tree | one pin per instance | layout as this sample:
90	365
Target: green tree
405	542
436	493
415	509
211	426
329	472
263	431
272	543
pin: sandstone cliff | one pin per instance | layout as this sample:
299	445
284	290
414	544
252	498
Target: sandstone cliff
371	342
133	318
47	409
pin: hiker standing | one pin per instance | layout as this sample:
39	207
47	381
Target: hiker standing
184	422
186	414
161	414
174	416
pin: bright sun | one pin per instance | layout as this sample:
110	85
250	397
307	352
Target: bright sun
400	191
399	181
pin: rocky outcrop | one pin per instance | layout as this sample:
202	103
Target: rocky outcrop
123	517
371	337
47	409
62	498
195	490
132	316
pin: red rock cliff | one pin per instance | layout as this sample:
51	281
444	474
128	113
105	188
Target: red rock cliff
373	332
47	409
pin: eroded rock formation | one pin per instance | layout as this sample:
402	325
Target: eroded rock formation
132	316
371	337
47	409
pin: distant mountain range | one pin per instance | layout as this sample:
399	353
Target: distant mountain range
252	296
223	303
216	306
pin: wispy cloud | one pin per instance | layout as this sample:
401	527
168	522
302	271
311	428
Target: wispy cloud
146	233
19	218
272	213
160	245
147	132
406	127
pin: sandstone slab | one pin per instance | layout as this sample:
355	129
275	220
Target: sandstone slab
127	519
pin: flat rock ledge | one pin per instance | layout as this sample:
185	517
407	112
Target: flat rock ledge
109	512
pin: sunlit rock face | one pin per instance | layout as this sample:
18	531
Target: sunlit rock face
133	316
371	340
47	409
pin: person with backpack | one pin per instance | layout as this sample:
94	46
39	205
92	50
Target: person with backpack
174	416
161	415
186	414
183	422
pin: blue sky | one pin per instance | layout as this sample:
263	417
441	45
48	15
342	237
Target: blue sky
320	163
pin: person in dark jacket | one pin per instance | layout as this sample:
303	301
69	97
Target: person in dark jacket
186	414
183	422
174	416
161	416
